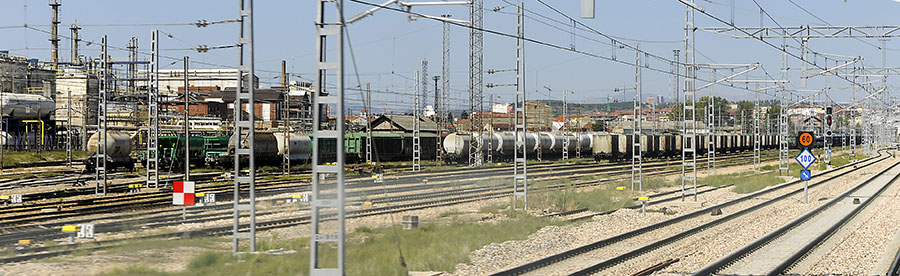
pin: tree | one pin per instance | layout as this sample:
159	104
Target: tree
598	125
745	108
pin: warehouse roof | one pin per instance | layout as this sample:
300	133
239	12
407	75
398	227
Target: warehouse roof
403	123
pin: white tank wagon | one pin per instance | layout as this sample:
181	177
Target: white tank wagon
117	150
502	145
268	148
299	146
26	106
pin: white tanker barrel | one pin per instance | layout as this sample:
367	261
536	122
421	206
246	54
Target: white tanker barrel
265	146
299	145
455	143
505	142
548	142
118	144
586	142
26	106
4	137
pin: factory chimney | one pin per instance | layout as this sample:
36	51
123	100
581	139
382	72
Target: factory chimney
54	33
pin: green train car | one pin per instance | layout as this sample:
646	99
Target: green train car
387	146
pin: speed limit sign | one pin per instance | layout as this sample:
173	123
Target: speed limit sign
805	138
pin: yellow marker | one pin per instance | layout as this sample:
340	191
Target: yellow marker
200	194
24	242
70	228
224	175
297	196
367	204
279	202
644	198
498	164
620	188
4	197
375	176
424	179
47	210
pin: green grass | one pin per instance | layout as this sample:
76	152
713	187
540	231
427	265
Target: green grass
13	158
431	247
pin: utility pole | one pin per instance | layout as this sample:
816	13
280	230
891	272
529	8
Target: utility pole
54	34
417	153
69	128
132	65
783	165
491	131
675	64
244	160
445	76
476	74
689	136
152	165
711	128
187	123
330	200
636	162
369	125
520	154
756	121
565	151
438	110
286	119
100	164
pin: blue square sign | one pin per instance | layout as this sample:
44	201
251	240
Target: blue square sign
805	175
805	158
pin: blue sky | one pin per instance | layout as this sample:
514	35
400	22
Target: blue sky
389	47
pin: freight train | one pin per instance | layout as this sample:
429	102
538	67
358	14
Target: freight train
502	145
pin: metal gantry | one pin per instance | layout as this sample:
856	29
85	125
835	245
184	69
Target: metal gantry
102	98
636	161
520	166
476	75
243	136
689	141
152	165
328	197
417	146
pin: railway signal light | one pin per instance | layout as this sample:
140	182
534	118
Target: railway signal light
828	113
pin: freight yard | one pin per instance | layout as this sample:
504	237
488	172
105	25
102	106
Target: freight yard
680	137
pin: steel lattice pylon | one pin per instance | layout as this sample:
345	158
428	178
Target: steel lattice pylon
783	158
476	75
243	136
417	150
565	126
445	78
520	166
636	161
152	165
756	137
102	98
328	196
369	125
711	129
689	141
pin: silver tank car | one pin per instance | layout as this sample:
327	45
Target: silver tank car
299	145
502	144
267	147
26	106
118	150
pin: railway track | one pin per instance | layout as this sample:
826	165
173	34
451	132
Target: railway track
443	198
32	212
779	250
632	244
